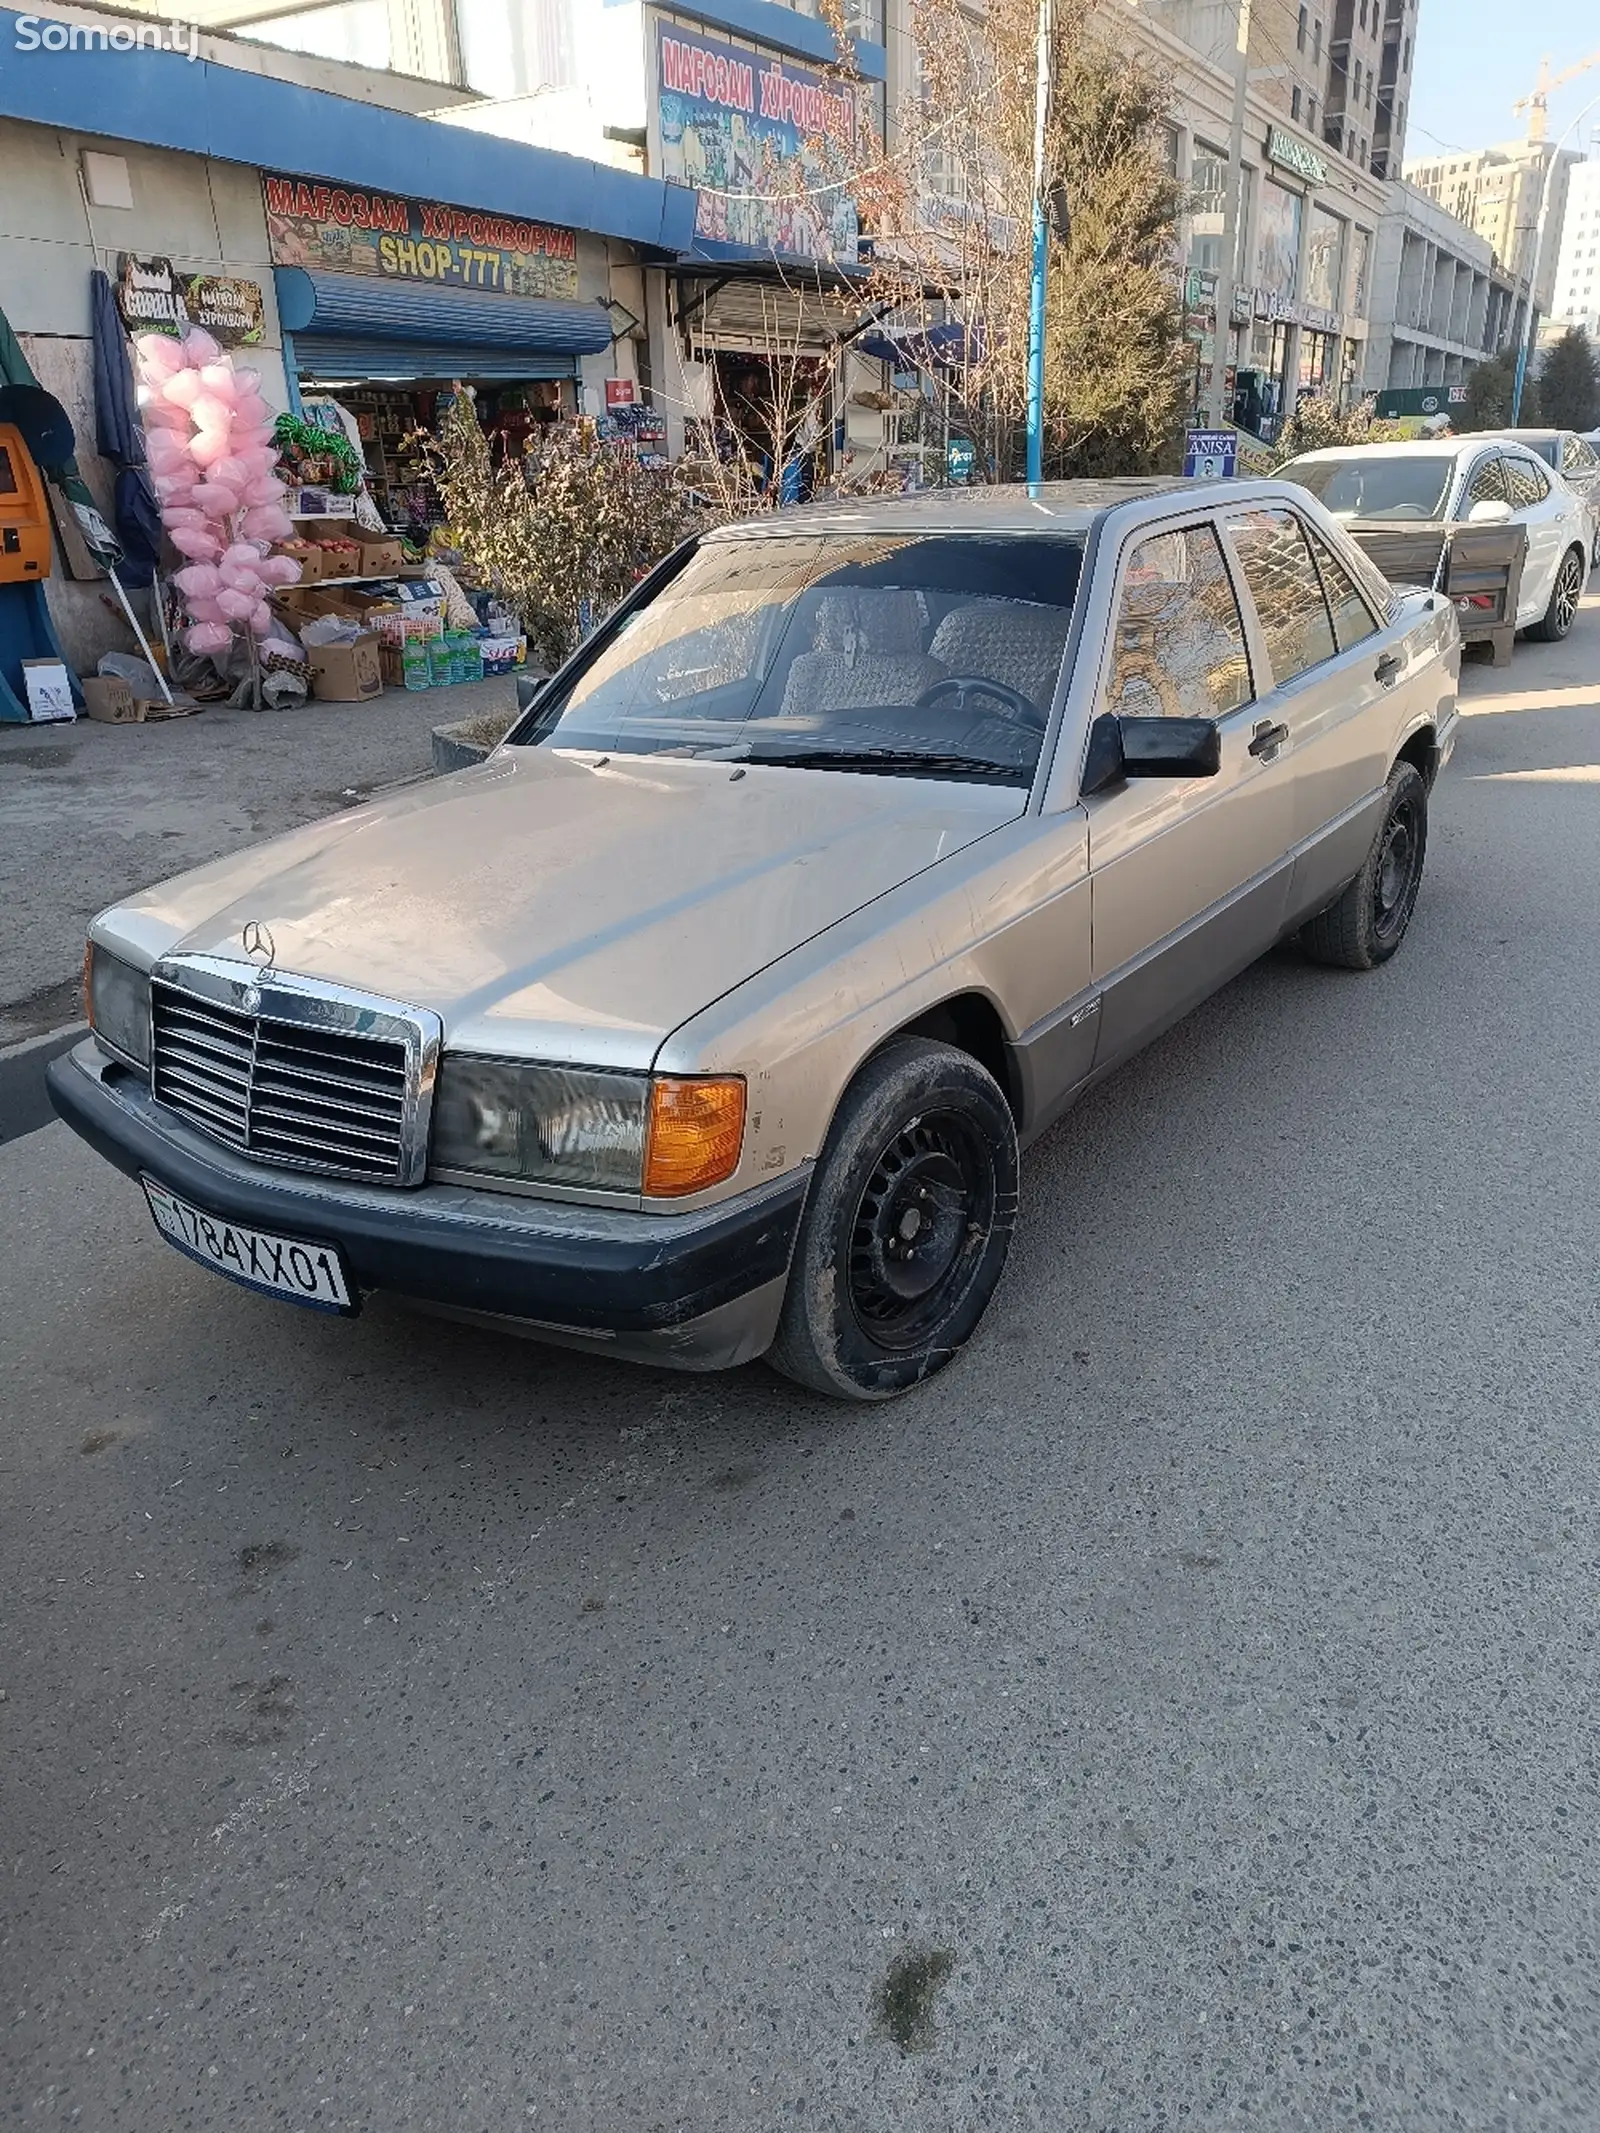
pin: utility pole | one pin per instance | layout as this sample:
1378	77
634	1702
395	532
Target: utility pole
1044	57
1218	407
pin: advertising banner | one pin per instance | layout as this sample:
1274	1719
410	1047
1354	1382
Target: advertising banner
765	143
345	231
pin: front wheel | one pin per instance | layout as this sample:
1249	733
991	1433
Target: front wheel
1363	927
1562	612
906	1227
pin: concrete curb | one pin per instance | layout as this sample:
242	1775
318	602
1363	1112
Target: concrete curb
469	740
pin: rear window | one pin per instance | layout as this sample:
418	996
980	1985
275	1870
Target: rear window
1365	485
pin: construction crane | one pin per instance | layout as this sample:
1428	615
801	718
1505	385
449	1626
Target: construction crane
1537	102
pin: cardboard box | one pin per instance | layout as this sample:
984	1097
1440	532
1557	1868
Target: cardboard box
346	673
380	553
111	701
48	689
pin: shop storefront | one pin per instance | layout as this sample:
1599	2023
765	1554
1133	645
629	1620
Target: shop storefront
389	304
765	142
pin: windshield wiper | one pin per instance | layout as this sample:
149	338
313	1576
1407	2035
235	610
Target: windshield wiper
917	760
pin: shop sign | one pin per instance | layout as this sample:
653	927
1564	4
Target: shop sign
149	295
763	142
1291	154
230	310
398	238
153	297
1288	310
620	392
1210	455
961	456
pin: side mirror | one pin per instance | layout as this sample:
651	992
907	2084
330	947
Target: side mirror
1491	512
530	687
1149	748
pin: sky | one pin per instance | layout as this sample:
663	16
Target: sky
1474	58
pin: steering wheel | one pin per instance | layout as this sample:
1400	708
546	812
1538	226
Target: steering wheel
1020	709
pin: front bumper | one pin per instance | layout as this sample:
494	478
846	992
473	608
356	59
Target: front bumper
699	1290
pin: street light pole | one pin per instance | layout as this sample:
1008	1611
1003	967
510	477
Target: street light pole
1530	328
1041	246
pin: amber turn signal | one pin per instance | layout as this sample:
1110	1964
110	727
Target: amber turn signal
695	1135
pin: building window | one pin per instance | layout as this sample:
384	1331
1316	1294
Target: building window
1316	46
1300	32
1294	101
357	30
512	47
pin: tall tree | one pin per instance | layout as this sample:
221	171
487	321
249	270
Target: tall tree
1490	390
950	210
1569	383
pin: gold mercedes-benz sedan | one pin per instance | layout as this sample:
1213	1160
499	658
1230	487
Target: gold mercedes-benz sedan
704	1020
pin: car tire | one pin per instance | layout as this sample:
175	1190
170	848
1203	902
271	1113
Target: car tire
1558	618
1364	925
906	1227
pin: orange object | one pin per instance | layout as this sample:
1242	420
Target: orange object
24	515
696	1133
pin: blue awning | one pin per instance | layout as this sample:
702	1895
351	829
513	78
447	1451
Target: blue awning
334	359
363	307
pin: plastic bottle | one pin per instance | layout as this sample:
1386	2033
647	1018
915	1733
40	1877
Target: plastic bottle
439	670
472	656
414	664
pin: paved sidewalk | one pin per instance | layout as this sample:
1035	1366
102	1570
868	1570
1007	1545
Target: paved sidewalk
90	813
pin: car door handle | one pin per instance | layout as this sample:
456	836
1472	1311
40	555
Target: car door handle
1388	667
1268	738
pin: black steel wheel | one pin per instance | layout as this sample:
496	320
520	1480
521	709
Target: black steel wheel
920	1229
1367	921
906	1227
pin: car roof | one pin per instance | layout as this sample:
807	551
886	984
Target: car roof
1523	436
1397	448
1004	507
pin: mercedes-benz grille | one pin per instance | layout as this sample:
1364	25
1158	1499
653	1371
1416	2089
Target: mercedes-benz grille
282	1091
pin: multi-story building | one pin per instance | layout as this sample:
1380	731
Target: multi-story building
1577	289
1498	192
1307	218
1339	68
1441	302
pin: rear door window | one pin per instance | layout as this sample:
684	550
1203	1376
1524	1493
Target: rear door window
1275	557
1577	460
1352	618
1528	481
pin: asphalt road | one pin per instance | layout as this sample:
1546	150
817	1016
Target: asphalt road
1181	1714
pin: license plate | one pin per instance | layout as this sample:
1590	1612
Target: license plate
309	1274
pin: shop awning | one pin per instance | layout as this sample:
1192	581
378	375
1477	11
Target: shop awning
947	345
332	358
364	307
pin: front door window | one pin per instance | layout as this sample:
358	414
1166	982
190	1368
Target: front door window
1179	647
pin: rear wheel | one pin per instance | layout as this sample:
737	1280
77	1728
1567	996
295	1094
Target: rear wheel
1363	927
1562	612
906	1227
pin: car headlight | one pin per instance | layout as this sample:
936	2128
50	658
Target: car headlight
587	1127
116	999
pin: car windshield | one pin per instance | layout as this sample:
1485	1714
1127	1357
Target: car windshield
928	655
1373	485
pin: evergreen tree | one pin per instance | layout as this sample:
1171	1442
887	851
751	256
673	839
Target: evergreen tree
1569	383
1490	389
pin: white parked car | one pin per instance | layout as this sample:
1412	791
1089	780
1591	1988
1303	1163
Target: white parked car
1473	481
1573	457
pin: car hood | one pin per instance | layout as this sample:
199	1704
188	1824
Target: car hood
564	905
